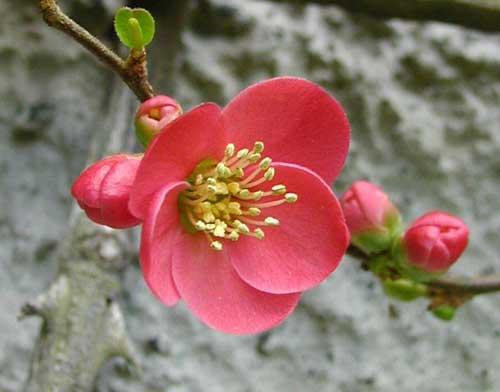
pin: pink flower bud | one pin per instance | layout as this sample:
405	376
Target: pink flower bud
103	189
153	115
431	245
372	219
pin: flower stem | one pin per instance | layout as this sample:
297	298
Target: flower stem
133	71
449	286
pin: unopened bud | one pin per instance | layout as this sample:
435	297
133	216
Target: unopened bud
372	219
153	115
431	245
103	190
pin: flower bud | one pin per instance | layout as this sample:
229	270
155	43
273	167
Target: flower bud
153	115
103	189
372	219
431	245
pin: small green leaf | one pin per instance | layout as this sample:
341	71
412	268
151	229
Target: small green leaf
135	27
444	312
404	290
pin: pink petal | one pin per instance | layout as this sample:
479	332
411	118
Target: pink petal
94	214
307	246
185	142
160	230
115	194
298	121
215	293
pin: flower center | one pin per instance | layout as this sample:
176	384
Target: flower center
225	197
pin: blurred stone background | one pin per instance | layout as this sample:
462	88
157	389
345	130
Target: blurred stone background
423	100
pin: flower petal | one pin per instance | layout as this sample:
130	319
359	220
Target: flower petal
160	230
174	154
297	120
215	293
307	246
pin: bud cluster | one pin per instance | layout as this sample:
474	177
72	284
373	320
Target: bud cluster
403	259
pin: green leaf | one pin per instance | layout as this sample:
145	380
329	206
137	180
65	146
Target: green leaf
444	312
404	290
135	27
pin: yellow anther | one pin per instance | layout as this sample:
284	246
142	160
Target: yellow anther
291	197
220	229
216	245
244	194
221	188
221	169
236	223
269	174
243	229
254	211
209	217
211	188
211	181
229	152
221	206
253	158
270	221
210	226
265	163
259	233
258	147
233	188
206	206
258	195
200	225
242	153
233	236
234	208
279	189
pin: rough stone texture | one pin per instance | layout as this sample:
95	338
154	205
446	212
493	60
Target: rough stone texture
423	102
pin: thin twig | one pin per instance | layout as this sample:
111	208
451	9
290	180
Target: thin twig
133	71
453	286
477	14
478	285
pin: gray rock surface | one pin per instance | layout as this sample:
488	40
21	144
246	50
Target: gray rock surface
423	100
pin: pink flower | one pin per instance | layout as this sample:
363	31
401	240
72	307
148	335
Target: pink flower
432	244
103	190
153	115
372	219
237	236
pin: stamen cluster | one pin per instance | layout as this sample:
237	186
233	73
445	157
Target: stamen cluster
224	197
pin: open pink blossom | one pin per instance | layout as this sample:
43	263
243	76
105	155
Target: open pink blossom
103	190
239	235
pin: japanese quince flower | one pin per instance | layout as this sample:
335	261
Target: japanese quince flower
238	235
103	190
431	245
153	115
372	219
